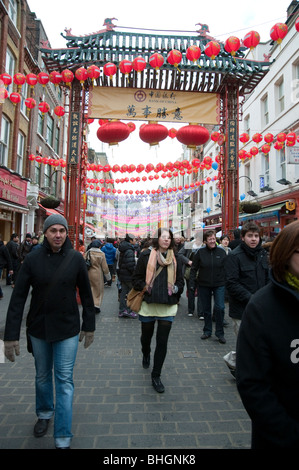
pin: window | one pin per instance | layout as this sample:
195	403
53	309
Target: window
247	124
40	123
265	110
267	172
279	94
4	141
47	177
10	67
57	137
24	94
12	11
295	82
20	153
282	160
37	173
50	130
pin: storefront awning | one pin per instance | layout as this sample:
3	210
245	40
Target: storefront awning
266	212
49	211
14	207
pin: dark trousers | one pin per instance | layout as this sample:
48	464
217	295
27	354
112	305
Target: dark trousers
163	330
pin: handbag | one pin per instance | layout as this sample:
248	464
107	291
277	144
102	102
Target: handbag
187	273
135	298
88	260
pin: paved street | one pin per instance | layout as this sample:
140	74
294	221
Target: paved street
115	405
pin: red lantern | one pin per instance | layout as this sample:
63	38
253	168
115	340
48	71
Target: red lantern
55	78
278	145
212	49
3	94
172	133
232	44
156	61
44	107
131	126
139	64
278	32
215	136
291	137
30	103
31	79
125	66
174	57
93	72
281	137
81	75
59	111
297	24
244	138
43	78
31	157
269	138
242	154
153	133
257	138
193	53
113	132
251	40
15	98
6	79
266	148
19	79
193	135
67	77
254	151
110	69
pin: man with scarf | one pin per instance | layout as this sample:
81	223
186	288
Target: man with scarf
160	273
246	270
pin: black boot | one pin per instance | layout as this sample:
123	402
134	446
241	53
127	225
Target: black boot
146	361
157	384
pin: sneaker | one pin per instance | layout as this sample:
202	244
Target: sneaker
157	384
190	314
222	340
204	336
201	317
122	314
146	361
131	314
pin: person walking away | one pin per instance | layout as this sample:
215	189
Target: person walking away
96	273
207	273
12	247
5	262
110	251
237	239
53	272
246	271
126	265
160	273
25	247
267	373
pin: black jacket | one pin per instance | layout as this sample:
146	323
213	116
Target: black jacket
127	261
53	314
159	293
5	259
245	274
209	266
267	369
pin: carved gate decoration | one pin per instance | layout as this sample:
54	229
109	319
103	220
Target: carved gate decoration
231	78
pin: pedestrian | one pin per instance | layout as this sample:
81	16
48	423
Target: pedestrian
25	247
207	274
81	247
12	247
237	239
161	273
110	251
224	243
5	263
246	271
53	324
126	266
35	245
96	272
267	373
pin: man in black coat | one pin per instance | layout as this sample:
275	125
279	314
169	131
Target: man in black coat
246	270
13	247
5	262
208	262
126	266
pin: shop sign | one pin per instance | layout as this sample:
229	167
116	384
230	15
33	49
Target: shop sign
12	188
293	154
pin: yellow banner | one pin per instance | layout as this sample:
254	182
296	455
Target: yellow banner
153	105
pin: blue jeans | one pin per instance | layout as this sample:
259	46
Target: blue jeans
206	299
61	355
125	289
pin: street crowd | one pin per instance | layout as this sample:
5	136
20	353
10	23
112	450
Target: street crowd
259	281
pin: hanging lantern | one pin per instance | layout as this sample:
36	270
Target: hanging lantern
254	151
257	138
43	78
31	79
212	49
126	66
31	157
278	145
242	154
3	94
153	133
291	137
81	75
193	54
55	78
174	57
30	103
290	143
266	148
113	132
19	79
93	73
15	98
131	126
156	61
232	44
215	136
251	40
281	137
244	138
6	79
139	64
172	133
193	135
278	32
269	138
67	77
110	69
44	107
59	111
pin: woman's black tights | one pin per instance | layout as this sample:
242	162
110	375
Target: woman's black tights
163	330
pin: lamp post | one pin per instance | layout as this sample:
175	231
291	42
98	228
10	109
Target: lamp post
250	192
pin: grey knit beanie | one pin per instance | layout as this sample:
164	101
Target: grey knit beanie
53	220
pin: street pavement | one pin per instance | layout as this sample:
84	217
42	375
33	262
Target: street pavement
115	405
